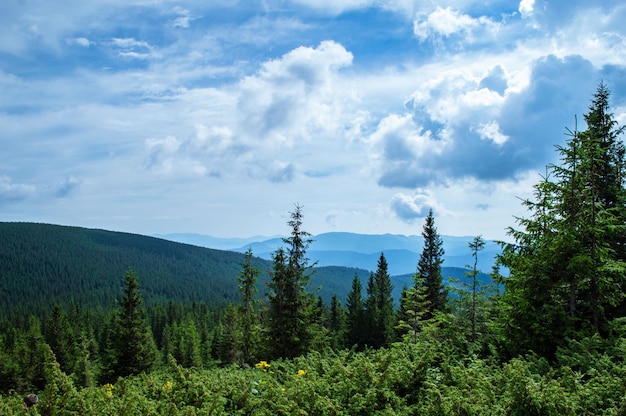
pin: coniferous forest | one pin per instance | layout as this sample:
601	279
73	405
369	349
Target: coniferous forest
546	335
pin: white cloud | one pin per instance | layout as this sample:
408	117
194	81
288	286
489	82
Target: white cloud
526	8
80	41
14	192
446	22
491	131
293	96
410	207
184	18
132	48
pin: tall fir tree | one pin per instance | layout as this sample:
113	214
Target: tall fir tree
60	337
379	307
567	271
355	316
337	323
292	309
248	310
476	245
429	268
131	346
370	313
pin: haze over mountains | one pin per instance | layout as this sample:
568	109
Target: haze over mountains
355	250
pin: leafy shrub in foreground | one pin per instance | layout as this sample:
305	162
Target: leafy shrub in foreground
405	379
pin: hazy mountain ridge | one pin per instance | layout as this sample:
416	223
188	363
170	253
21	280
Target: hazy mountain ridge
360	250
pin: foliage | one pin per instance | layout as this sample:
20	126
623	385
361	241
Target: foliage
130	348
43	265
291	309
355	315
379	309
567	264
404	379
429	268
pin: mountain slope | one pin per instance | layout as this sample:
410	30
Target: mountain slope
42	264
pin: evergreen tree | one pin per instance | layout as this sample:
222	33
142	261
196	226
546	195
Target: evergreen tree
370	312
567	265
355	319
429	268
131	348
337	323
476	245
379	307
228	337
291	315
247	287
182	342
414	308
60	337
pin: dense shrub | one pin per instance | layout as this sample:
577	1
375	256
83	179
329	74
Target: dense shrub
405	379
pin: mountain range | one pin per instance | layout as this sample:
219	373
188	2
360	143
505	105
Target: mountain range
355	250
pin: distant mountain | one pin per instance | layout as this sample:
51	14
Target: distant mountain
363	250
218	243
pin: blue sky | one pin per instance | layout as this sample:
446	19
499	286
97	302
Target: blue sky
217	117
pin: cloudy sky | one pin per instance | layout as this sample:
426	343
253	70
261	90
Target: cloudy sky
216	117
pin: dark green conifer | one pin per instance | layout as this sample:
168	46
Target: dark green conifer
131	346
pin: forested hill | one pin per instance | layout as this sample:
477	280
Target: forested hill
43	264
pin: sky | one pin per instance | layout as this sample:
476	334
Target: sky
218	117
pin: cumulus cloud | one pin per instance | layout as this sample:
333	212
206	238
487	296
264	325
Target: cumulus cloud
292	96
526	8
13	192
471	126
410	207
209	151
446	22
491	131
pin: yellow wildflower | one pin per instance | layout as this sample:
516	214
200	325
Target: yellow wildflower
108	388
262	365
301	373
168	385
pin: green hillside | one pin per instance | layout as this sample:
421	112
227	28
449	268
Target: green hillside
43	264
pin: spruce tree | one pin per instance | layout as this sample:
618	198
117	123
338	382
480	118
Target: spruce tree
379	309
291	315
429	268
337	323
131	348
567	264
60	337
414	308
247	287
476	245
371	313
355	318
